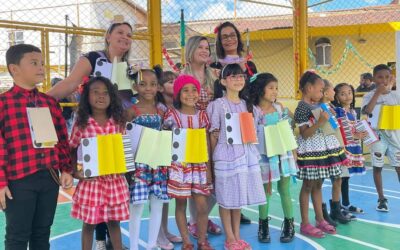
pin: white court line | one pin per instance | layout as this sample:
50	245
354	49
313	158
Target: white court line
65	194
369	187
367	192
387	169
126	233
334	235
64	234
379	223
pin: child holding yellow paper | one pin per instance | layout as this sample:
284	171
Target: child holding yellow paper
389	143
188	179
104	198
238	180
347	118
319	156
147	184
263	94
328	95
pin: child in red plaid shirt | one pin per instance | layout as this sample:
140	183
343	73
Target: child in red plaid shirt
104	198
29	181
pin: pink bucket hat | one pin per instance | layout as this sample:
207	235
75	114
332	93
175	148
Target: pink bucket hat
182	80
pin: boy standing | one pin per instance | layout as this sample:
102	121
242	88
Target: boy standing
28	172
389	143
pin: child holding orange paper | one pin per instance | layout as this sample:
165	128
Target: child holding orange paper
188	179
263	94
104	198
147	184
238	180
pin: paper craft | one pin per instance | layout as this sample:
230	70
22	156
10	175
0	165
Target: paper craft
247	128
332	119
179	144
106	154
327	128
119	75
134	132
240	128
390	117
43	132
261	140
372	137
373	118
103	68
279	138
196	146
154	143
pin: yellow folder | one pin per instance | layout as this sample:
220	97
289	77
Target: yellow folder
196	146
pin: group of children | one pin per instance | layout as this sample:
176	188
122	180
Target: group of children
237	174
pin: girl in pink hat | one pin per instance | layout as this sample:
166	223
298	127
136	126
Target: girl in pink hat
187	179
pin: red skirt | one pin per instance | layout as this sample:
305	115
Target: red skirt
101	199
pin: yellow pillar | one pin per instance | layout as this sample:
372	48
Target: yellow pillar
154	23
300	41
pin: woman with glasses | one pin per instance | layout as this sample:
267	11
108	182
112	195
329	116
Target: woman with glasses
117	45
229	48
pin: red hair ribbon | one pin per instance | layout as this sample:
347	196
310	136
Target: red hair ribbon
85	80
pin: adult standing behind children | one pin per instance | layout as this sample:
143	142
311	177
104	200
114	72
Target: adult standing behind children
366	83
28	175
197	54
389	143
118	40
229	48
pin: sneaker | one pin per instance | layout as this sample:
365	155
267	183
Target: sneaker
101	245
192	228
353	209
382	205
348	215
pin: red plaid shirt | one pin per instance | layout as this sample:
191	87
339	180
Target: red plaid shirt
18	157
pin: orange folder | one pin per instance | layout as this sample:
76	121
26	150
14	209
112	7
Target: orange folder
247	128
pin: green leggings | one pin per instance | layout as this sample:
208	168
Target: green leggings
286	201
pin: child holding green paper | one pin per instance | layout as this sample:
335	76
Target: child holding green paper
104	198
189	179
147	184
263	94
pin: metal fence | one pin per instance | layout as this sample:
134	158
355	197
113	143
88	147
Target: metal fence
345	38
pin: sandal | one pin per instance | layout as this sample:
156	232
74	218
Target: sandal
213	228
232	246
173	238
189	246
325	227
205	245
244	244
310	230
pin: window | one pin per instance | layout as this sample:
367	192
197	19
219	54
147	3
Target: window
16	37
323	51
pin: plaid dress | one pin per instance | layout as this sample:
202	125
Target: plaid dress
103	198
188	178
319	156
146	181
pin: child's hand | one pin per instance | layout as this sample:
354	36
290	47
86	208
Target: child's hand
66	180
215	134
3	193
381	89
323	118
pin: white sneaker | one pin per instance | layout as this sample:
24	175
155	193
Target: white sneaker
101	245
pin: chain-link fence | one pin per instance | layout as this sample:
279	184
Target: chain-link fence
345	38
71	28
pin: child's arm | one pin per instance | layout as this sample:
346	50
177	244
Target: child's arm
306	131
209	163
367	109
4	191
